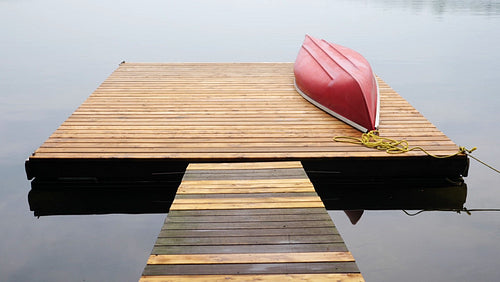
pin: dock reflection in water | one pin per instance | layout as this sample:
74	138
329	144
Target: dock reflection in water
73	196
80	196
354	196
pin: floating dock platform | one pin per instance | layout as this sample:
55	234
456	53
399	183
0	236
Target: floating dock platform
247	206
153	119
249	222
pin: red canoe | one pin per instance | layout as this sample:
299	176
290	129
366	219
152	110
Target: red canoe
339	81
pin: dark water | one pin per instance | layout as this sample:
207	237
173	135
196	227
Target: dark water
442	56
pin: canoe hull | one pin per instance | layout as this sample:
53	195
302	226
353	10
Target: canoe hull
339	81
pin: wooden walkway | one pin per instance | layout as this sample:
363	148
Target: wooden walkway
162	116
249	222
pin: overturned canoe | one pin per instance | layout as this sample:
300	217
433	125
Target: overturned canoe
339	81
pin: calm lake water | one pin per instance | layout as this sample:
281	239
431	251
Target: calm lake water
442	56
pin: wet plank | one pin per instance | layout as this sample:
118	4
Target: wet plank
253	234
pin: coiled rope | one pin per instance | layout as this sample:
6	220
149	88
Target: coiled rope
372	139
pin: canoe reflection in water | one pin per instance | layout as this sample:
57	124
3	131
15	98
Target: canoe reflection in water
354	196
92	196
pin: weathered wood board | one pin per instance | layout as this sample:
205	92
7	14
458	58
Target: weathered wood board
217	231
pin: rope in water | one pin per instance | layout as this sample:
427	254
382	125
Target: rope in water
466	210
372	139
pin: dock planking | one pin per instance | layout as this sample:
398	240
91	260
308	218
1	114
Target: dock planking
246	222
155	118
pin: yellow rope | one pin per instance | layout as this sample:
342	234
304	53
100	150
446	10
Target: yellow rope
373	140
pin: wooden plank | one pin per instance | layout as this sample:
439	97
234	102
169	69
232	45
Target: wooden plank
255	183
283	277
240	196
248	212
205	233
222	150
180	201
261	269
257	248
250	225
240	190
220	156
249	218
276	173
246	165
251	258
226	206
249	240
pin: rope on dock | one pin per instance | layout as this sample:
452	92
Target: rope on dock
372	139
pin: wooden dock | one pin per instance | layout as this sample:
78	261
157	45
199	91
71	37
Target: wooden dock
249	222
154	118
